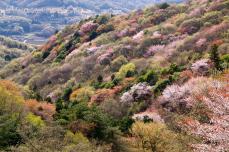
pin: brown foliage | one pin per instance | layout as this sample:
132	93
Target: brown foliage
43	109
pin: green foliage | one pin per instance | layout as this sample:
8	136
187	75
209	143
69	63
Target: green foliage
126	70
106	85
163	6
225	58
45	54
66	94
61	55
191	26
102	19
225	61
92	115
172	69
161	85
8	131
100	79
138	107
212	17
76	138
118	62
214	56
93	35
125	124
156	137
104	28
150	77
35	121
11	112
82	94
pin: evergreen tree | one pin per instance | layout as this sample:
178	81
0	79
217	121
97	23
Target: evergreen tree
214	56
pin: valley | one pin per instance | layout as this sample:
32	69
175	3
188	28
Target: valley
34	21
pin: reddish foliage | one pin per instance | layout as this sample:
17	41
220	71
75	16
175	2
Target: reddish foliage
43	109
104	94
10	86
82	126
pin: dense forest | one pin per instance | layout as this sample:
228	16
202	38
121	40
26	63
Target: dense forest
152	80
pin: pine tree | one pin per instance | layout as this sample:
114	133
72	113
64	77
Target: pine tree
214	56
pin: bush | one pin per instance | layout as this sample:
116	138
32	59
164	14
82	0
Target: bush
66	94
102	128
125	69
161	85
225	61
191	26
11	114
82	94
118	62
150	77
163	6
214	56
103	19
156	137
104	28
35	121
125	124
100	79
212	17
172	69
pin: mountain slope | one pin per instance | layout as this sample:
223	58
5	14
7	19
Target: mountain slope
153	37
152	80
11	49
19	21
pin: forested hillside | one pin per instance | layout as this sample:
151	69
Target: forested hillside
11	49
34	21
154	80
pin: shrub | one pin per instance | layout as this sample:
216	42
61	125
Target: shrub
118	62
101	124
191	26
155	137
212	17
214	56
43	109
66	94
125	124
150	77
76	138
35	121
82	95
163	6
125	69
171	69
105	58
88	27
11	114
105	28
225	61
114	108
100	79
161	85
103	19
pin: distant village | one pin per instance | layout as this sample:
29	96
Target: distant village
49	19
